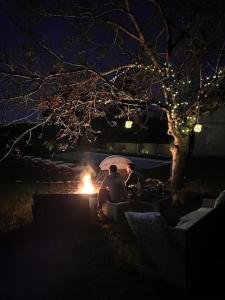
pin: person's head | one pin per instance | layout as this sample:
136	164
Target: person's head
112	169
130	167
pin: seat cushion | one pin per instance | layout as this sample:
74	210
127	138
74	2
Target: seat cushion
193	217
135	218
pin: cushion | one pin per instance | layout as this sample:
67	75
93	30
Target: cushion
220	199
208	202
193	217
135	218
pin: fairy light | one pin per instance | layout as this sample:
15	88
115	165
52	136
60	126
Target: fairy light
175	89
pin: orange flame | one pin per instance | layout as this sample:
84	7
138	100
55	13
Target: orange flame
87	187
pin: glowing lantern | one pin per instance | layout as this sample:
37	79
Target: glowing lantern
128	124
198	128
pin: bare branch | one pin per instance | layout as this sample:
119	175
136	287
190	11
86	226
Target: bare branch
23	135
119	68
134	22
123	29
219	57
167	26
20	119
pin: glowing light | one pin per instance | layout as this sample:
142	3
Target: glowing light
198	128
128	124
87	187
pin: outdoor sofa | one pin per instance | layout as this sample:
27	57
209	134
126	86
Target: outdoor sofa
190	254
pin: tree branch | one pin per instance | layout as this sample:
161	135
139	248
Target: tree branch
134	22
167	26
22	135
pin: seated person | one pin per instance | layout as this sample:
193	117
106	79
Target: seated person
112	188
135	182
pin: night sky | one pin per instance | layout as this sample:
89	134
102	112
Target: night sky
23	26
19	24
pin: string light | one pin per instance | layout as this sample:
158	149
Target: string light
176	88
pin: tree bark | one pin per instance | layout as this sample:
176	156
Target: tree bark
179	156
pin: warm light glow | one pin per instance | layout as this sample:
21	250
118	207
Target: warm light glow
128	124
87	187
198	128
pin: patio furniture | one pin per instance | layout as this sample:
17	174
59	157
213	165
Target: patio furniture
115	211
189	255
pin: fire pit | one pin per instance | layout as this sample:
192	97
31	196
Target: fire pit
67	210
62	209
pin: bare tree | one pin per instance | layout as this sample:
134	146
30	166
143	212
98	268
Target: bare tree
120	56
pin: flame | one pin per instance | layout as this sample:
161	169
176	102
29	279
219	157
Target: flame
87	187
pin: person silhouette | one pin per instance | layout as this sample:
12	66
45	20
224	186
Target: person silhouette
112	188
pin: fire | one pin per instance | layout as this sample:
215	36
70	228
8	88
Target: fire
87	187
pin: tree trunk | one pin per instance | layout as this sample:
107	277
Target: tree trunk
179	155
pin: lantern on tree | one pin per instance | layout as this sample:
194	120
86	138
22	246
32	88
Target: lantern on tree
198	127
128	123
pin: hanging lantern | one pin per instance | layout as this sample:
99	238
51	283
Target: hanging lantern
198	128
128	124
